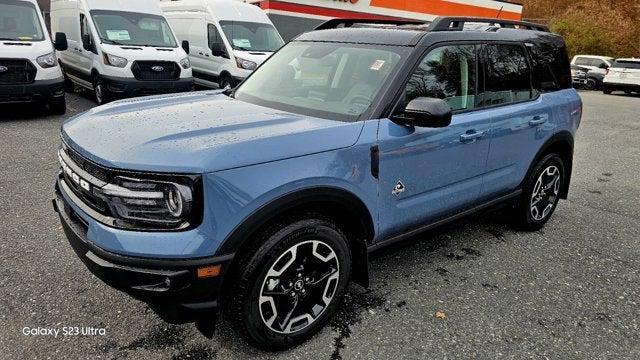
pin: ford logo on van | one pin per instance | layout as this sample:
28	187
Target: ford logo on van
3	69
158	68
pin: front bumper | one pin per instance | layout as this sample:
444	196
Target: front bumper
170	287
129	87
39	90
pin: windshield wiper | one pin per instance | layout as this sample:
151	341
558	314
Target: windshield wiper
10	39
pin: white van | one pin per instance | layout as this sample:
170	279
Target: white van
120	48
228	38
29	70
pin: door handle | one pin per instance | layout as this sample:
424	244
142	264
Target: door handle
471	136
537	120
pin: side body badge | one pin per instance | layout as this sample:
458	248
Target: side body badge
398	189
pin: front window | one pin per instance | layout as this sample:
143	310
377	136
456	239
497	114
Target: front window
327	80
19	21
249	36
128	28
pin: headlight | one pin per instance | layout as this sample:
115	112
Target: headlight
113	60
185	63
246	64
47	61
149	203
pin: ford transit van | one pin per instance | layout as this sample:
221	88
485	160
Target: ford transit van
120	48
29	70
228	38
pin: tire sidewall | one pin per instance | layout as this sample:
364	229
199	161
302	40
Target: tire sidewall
277	244
544	163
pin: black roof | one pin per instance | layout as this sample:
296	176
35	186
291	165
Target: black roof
410	33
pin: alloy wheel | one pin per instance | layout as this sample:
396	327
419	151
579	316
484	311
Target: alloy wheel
545	193
299	286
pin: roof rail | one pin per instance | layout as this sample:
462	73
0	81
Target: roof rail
345	23
456	23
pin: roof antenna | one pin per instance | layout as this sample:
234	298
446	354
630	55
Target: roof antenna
500	12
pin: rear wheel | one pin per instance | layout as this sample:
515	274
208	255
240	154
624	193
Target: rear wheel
292	284
541	193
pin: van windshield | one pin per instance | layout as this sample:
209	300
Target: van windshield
19	21
327	80
250	36
128	28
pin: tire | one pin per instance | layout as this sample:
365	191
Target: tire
100	93
282	296
541	193
58	106
226	82
606	90
591	84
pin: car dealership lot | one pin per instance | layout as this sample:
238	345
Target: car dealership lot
569	291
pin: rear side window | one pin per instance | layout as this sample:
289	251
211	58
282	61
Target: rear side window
507	75
626	64
551	69
584	61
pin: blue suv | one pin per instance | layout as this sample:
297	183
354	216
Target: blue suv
264	201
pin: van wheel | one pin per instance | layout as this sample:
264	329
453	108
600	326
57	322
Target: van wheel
541	193
292	284
100	92
226	82
58	105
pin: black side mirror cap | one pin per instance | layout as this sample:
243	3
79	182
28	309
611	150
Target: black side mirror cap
185	46
60	42
217	49
86	42
426	112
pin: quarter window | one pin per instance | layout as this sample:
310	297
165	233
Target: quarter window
447	73
508	76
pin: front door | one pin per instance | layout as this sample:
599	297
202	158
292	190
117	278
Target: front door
427	173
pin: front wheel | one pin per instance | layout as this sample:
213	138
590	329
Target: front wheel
292	284
100	91
591	84
226	82
541	193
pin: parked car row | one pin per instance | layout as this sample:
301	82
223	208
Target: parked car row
119	48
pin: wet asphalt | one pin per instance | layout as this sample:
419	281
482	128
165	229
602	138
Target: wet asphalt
475	289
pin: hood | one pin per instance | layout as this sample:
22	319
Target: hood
257	57
25	49
135	52
198	133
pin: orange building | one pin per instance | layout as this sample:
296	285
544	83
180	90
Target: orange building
292	17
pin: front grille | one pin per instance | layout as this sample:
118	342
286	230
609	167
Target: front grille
17	71
88	197
155	70
86	165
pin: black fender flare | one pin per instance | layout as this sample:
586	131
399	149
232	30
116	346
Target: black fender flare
560	140
349	202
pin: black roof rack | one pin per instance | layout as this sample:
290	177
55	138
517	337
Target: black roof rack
455	23
345	23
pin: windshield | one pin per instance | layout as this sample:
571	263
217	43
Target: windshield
327	80
249	36
626	64
19	21
128	28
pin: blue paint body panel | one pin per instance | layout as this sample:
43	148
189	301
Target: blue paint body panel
249	155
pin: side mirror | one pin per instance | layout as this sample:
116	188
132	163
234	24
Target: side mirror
185	46
60	42
426	112
603	66
217	49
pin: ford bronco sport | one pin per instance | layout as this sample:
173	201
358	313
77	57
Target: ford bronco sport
264	201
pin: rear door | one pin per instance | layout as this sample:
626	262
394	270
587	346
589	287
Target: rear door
521	120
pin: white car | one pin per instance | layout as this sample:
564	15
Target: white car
29	69
229	39
120	48
597	67
623	75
